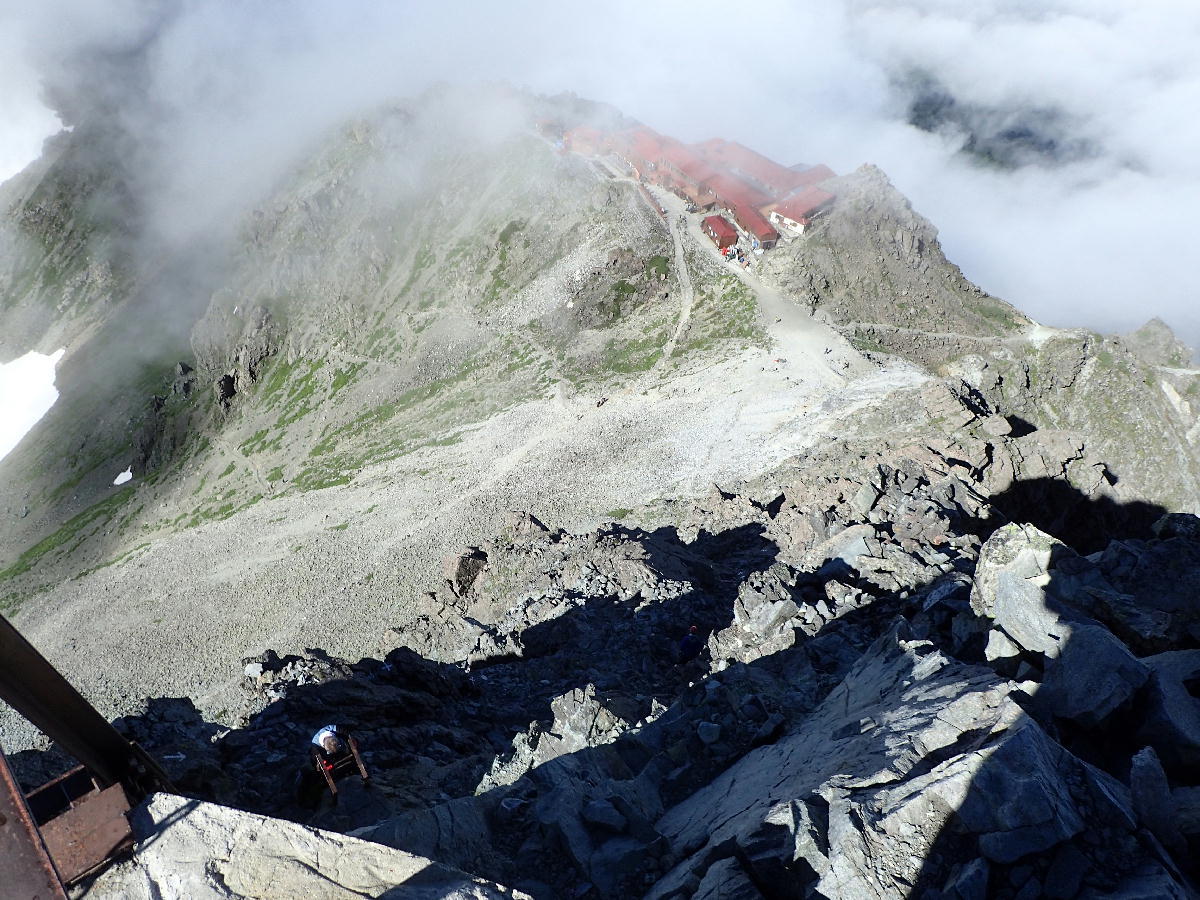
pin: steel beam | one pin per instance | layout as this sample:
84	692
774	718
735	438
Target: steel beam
35	689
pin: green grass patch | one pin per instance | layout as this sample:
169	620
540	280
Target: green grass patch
622	290
94	516
509	231
224	510
726	312
632	357
422	261
866	343
343	377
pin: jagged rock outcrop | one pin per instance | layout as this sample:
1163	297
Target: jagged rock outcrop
912	753
1156	344
1130	417
896	696
232	346
872	259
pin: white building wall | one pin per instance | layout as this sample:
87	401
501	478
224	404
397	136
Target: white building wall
783	223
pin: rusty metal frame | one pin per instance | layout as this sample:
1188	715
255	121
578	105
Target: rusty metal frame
76	823
28	868
90	832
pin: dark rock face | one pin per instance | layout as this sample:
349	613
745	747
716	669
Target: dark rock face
1009	136
226	389
894	698
464	569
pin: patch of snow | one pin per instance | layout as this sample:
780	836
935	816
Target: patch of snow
125	476
26	393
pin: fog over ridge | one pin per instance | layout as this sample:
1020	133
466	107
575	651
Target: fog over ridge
1051	143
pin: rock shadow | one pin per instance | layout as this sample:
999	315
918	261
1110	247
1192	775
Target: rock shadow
1084	522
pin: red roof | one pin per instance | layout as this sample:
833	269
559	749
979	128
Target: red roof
815	175
693	167
801	205
767	173
718	226
732	191
755	223
583	135
640	143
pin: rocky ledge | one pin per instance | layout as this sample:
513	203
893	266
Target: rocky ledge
188	848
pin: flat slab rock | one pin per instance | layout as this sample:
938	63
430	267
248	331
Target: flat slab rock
202	851
912	753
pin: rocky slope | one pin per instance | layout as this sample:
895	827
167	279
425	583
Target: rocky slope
873	260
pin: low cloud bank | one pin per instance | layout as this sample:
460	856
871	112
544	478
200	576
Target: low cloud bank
1053	143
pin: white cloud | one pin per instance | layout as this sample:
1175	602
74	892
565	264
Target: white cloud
231	92
25	122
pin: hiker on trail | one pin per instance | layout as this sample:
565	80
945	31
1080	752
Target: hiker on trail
690	646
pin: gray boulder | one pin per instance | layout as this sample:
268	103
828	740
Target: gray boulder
1161	577
582	719
1094	675
709	732
1172	715
727	880
1186	803
456	828
1152	800
1010	588
969	883
1178	525
764	622
1089	672
604	814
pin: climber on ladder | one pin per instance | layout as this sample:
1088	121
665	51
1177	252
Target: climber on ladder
334	748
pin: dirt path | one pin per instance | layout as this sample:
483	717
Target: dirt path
797	334
230	449
1012	340
687	292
